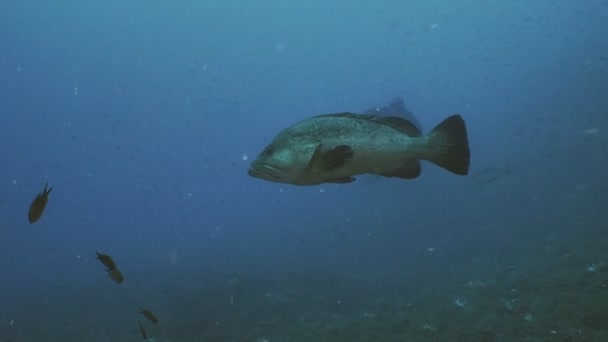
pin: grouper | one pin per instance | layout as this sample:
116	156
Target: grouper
334	148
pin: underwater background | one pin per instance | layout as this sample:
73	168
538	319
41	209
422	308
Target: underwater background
145	115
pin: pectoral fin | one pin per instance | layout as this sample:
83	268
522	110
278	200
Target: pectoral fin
336	157
324	161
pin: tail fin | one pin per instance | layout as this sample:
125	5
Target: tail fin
449	144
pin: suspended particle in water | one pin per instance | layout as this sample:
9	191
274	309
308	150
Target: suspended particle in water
173	257
590	131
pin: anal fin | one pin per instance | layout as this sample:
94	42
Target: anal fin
407	171
342	180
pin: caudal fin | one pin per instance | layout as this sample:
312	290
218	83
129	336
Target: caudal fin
449	145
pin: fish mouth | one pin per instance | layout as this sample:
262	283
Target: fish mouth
265	171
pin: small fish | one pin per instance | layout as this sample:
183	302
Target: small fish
142	330
333	148
490	174
107	261
116	275
149	315
38	204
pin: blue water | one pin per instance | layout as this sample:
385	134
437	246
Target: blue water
144	116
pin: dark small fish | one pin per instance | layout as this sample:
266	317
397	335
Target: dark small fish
490	174
149	315
116	275
107	261
142	330
38	204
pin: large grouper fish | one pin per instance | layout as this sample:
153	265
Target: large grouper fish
333	148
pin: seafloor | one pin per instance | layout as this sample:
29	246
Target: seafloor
554	289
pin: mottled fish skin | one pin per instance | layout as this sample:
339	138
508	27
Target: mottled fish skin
333	148
39	204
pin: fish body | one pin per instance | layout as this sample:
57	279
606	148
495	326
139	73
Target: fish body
142	330
107	261
113	271
39	204
148	314
116	275
333	148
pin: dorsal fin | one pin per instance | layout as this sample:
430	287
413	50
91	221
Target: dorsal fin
400	124
348	115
